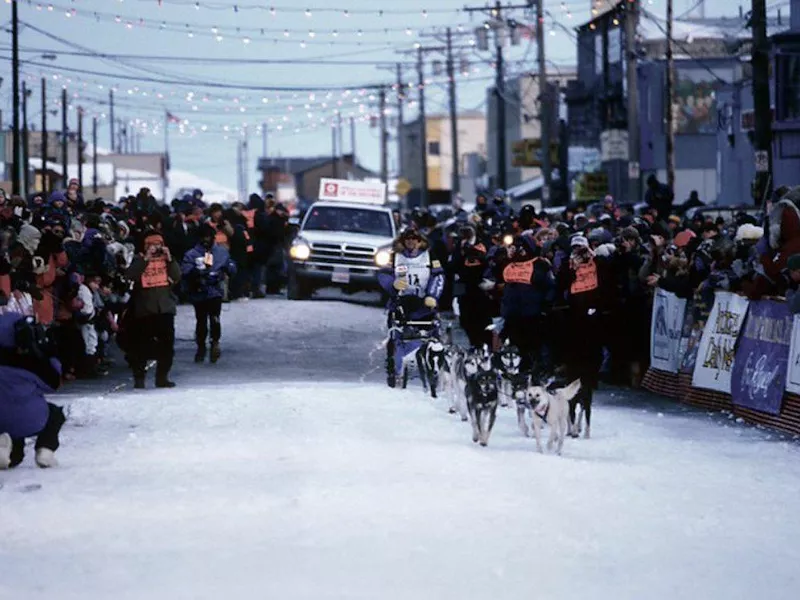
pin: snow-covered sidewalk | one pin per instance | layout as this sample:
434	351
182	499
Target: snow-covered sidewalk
347	491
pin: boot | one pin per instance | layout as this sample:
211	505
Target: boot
46	458
200	355
162	378
215	352
139	378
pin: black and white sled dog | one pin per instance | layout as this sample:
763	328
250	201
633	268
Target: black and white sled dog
513	383
481	393
431	363
584	400
454	380
552	405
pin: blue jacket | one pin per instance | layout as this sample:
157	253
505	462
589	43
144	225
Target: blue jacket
206	283
529	298
23	407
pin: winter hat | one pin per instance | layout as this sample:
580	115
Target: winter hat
674	219
29	237
57	196
683	238
605	250
579	240
748	232
793	264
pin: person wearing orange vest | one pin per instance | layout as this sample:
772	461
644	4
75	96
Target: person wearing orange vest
468	262
223	228
587	280
527	295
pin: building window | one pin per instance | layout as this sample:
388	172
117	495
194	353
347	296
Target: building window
433	148
789	87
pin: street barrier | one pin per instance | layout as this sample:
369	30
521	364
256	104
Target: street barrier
744	359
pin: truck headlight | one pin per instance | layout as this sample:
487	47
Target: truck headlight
382	258
300	251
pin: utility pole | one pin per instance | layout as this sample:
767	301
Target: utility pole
111	118
245	162
544	105
340	141
384	138
501	107
44	136
94	155
64	138
264	140
80	148
15	183
634	176
455	185
669	97
335	159
761	103
25	149
401	96
353	138
498	24
423	196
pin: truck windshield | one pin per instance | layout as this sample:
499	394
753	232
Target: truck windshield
350	220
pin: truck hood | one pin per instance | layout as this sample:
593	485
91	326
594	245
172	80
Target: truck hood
339	237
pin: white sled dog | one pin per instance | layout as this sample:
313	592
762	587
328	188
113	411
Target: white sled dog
552	407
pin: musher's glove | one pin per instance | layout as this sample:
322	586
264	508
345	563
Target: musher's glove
430	302
400	285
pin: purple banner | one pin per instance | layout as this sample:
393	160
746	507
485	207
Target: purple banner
759	369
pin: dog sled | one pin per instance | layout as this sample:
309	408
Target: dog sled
410	325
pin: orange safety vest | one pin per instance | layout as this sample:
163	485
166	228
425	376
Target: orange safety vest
585	279
519	272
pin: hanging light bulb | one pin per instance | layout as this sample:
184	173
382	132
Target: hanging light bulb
408	31
246	40
335	33
308	13
311	34
346	13
285	33
272	11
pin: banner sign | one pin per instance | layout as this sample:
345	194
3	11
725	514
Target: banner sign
690	340
793	367
759	372
344	190
715	354
666	325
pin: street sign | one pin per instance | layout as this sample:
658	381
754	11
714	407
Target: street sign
762	161
633	170
614	145
528	153
403	187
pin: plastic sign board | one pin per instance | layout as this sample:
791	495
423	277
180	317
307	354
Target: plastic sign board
343	190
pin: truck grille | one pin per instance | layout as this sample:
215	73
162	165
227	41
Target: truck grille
346	255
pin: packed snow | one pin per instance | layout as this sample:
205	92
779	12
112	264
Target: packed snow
281	484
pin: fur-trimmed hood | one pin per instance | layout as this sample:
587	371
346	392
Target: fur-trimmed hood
782	226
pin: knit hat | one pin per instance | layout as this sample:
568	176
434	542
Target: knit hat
579	240
793	264
29	237
683	238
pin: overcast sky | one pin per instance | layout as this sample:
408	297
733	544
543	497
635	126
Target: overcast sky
353	49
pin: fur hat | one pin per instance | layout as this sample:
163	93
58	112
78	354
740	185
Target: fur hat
749	233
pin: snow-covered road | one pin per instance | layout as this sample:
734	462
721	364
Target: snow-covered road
319	489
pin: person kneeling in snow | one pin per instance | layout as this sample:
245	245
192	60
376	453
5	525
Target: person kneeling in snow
28	371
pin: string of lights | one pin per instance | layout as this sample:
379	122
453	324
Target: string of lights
246	33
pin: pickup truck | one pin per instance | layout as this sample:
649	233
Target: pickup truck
342	245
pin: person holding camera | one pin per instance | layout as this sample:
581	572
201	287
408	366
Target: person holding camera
28	371
468	263
152	308
204	268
